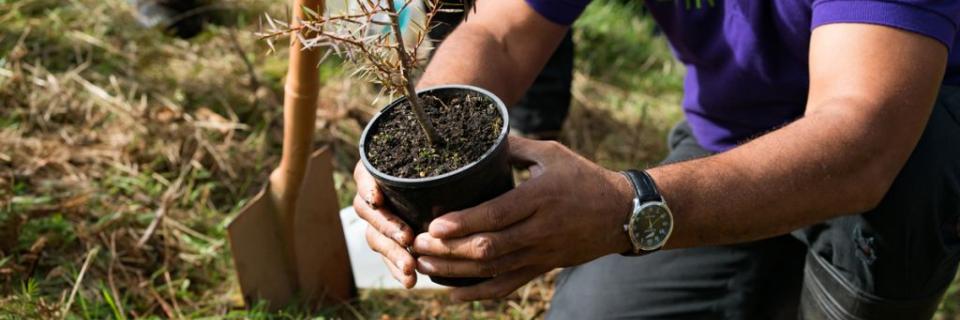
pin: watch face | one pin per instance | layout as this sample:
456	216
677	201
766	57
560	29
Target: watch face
652	226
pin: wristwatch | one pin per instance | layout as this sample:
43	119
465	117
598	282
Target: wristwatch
651	222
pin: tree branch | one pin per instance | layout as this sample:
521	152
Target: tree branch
406	64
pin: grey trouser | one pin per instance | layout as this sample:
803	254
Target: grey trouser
893	262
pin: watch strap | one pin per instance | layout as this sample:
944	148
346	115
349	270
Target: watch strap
643	185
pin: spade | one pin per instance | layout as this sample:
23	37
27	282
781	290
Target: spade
287	242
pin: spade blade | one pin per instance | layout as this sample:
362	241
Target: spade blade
323	264
258	253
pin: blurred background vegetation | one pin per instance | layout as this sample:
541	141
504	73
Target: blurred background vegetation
125	152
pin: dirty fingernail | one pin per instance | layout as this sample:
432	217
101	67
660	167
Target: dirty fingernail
368	198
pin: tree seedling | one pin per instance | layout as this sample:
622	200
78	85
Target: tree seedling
369	37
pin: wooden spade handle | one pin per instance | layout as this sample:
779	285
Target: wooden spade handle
301	93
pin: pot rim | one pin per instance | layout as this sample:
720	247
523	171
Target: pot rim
434	180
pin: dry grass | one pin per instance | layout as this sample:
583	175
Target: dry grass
124	153
121	154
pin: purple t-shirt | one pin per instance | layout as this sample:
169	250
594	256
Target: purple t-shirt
747	59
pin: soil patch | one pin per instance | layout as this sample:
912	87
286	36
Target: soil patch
468	124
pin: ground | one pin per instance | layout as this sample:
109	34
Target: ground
124	153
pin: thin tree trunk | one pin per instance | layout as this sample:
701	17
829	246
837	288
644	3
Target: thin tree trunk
407	64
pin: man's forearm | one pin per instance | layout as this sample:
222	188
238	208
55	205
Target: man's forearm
488	51
470	55
872	89
819	167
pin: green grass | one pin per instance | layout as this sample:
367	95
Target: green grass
623	49
106	125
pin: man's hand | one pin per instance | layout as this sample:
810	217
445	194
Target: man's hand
386	234
569	212
502	47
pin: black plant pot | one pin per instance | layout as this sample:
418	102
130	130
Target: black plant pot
419	200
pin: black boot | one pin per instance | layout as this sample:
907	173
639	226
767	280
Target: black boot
183	18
